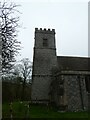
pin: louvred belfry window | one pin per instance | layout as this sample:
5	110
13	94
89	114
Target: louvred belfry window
45	42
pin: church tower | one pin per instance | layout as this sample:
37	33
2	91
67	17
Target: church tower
43	60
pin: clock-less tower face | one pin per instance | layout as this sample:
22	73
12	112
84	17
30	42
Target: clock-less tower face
44	59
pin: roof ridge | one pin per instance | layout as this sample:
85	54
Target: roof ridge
74	57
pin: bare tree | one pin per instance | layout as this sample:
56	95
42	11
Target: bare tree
24	70
8	32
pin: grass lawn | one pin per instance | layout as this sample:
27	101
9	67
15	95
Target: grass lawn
20	110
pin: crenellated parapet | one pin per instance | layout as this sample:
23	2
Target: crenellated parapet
52	31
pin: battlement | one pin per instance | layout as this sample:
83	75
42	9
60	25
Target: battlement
45	30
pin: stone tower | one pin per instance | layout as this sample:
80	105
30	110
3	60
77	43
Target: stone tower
43	60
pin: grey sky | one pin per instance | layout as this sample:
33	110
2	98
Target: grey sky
69	19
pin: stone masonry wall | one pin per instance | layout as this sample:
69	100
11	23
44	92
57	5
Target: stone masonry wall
43	60
41	88
76	94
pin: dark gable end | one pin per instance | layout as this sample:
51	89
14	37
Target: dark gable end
73	63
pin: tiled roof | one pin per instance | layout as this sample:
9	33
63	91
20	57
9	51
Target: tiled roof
73	63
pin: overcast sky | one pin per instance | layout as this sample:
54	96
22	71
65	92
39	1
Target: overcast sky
68	18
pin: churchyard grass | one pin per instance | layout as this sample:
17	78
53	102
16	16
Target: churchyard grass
20	110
